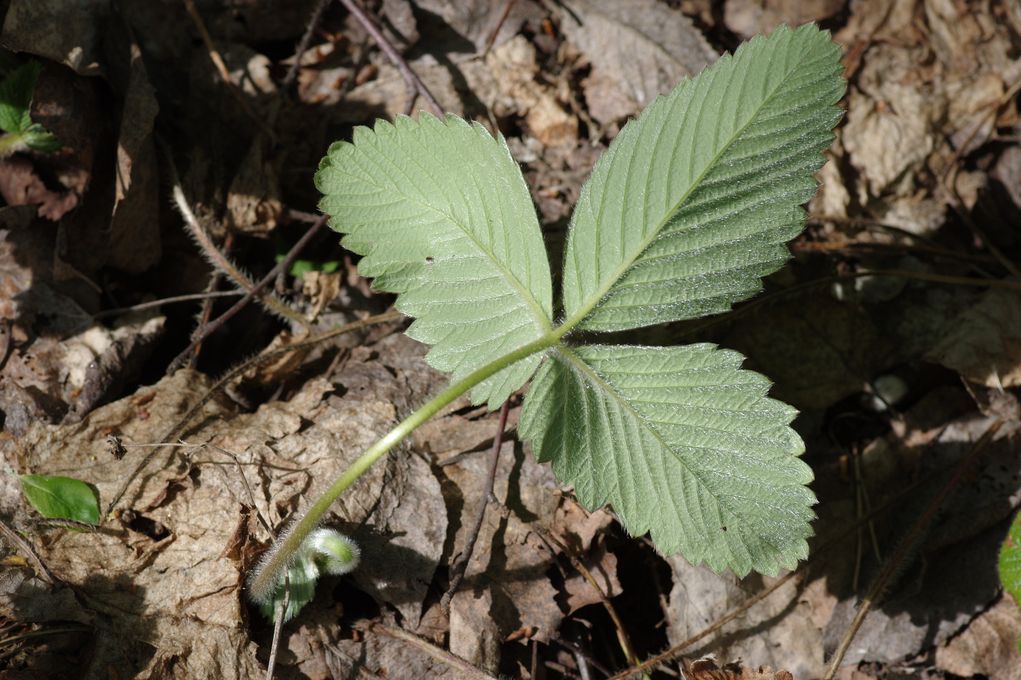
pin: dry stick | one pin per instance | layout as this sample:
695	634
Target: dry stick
207	306
460	567
412	80
217	258
230	375
203	332
142	306
29	552
221	68
306	38
908	545
456	663
278	626
508	5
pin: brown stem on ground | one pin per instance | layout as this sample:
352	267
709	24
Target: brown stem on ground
204	331
414	83
213	254
458	569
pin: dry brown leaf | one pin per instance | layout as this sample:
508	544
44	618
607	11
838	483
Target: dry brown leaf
638	50
20	185
988	646
983	343
750	17
782	631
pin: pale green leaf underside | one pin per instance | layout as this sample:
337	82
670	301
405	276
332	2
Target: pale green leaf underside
683	443
694	201
441	215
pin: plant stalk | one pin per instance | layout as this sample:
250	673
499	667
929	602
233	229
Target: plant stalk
262	584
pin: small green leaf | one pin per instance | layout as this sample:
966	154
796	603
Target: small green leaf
683	443
1010	563
61	498
441	215
16	97
1010	560
694	201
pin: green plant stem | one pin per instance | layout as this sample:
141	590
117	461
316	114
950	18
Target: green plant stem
266	576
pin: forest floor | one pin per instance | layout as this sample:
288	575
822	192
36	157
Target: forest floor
895	331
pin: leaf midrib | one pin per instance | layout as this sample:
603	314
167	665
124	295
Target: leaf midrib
596	298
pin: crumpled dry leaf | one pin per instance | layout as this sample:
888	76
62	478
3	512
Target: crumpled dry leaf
965	539
708	669
69	33
253	200
892	120
983	343
988	646
782	631
638	50
20	185
750	17
150	582
475	20
505	585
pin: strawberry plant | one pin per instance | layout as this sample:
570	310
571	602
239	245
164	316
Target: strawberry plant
689	208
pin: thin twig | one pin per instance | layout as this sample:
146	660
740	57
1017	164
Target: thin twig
507	6
456	663
278	626
216	258
412	80
306	38
233	373
142	306
460	567
207	304
208	329
908	545
29	553
221	69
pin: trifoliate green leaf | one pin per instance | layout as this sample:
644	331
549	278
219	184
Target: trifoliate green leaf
442	216
694	201
683	443
61	498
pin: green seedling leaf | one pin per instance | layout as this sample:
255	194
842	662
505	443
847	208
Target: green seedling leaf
61	498
442	216
1010	560
689	208
324	551
693	203
683	443
1010	563
16	90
